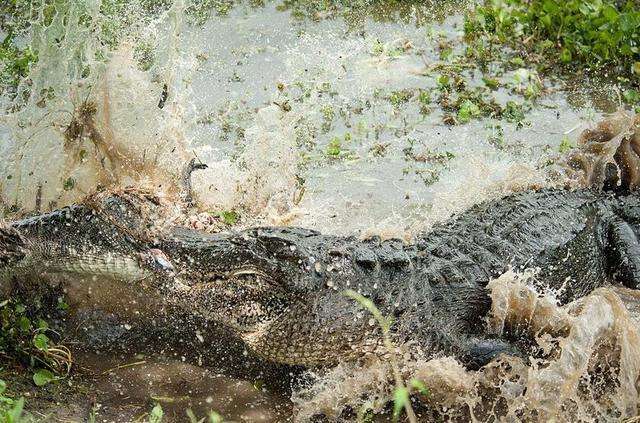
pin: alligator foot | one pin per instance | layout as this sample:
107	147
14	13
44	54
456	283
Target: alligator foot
482	351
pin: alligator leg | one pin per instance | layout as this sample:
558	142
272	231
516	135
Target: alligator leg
623	253
578	267
606	249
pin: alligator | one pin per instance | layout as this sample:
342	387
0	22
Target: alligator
288	293
281	290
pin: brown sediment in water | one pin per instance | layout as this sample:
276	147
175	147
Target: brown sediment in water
132	351
125	388
592	365
128	387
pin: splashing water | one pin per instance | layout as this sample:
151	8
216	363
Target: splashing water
91	116
585	367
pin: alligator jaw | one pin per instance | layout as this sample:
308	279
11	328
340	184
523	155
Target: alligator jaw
117	266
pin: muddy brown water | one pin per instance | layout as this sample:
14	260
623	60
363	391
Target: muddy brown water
131	352
126	388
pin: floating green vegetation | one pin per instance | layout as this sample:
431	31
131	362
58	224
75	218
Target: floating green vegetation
328	115
425	164
201	11
461	104
632	97
212	417
565	145
496	135
14	64
356	12
400	97
424	99
229	217
93	28
576	33
337	148
14	59
514	112
468	110
334	149
379	149
156	415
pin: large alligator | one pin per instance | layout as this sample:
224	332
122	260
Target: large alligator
282	290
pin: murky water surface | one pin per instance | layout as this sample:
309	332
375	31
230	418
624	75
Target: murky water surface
397	169
317	121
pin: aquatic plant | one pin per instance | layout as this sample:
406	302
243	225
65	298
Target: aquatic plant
212	417
156	414
10	408
576	33
14	64
357	11
402	391
229	217
26	337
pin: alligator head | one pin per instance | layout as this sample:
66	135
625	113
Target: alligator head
283	292
269	288
107	235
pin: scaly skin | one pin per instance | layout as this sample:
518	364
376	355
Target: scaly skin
281	290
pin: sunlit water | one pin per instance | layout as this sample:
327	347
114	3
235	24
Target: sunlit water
262	97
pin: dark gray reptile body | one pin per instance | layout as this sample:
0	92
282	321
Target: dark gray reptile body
434	288
281	290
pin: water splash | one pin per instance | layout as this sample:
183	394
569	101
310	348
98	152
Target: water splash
581	363
91	114
95	116
262	181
